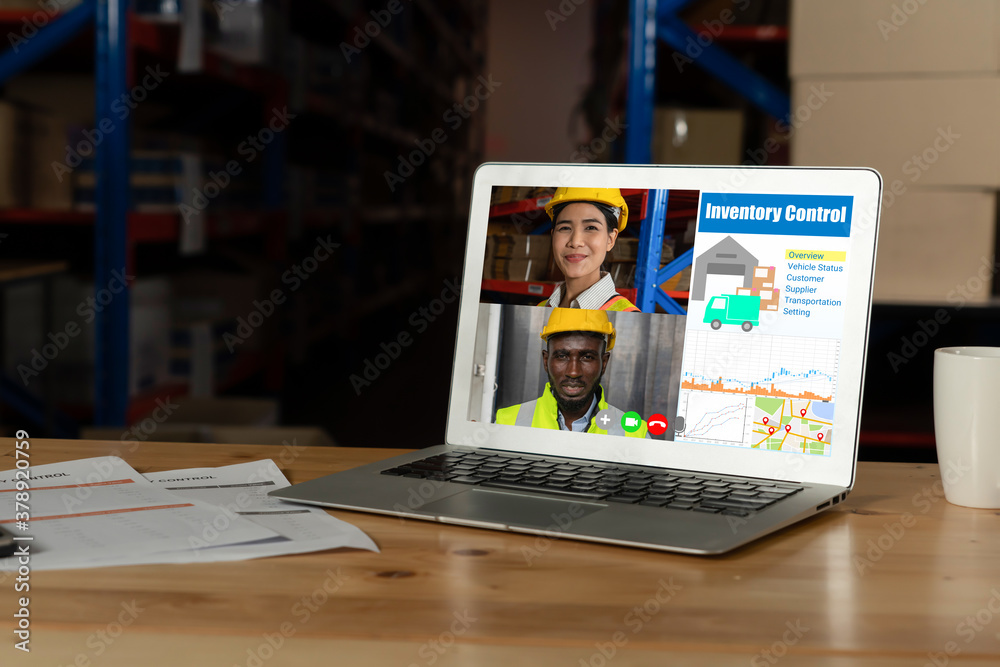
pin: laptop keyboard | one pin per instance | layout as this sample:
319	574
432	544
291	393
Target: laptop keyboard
588	480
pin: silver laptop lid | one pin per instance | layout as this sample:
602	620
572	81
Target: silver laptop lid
755	369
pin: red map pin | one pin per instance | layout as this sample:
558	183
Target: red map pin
788	427
820	436
765	420
802	412
770	430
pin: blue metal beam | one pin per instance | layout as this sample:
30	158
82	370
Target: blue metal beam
641	82
679	263
667	302
111	226
671	7
650	248
26	50
723	66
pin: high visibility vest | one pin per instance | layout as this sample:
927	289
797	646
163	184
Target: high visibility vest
617	302
543	413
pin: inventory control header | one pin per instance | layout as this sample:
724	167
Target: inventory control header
798	215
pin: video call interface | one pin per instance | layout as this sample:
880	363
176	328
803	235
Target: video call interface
702	317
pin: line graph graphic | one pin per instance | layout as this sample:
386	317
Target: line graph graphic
715	416
782	366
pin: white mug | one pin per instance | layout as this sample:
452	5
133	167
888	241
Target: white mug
967	424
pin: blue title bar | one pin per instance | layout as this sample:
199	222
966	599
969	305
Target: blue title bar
791	215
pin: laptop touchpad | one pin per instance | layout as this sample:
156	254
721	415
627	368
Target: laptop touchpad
512	508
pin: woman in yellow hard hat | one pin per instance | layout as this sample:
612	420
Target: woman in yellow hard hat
585	224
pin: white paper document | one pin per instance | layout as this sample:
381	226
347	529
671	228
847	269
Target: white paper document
99	512
242	490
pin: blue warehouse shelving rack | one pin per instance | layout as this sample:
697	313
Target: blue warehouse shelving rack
653	21
110	18
117	33
350	127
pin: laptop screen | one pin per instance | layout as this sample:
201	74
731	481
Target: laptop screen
702	318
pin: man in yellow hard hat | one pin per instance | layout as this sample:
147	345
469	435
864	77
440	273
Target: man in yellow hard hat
578	346
585	226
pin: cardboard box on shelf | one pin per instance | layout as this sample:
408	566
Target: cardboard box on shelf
667	252
31	141
623	273
937	246
149	332
22	320
763	278
506	194
680	282
697	136
149	335
47	139
519	246
626	249
917	131
200	355
866	37
516	269
12	173
213	313
69	95
501	195
162	181
503	226
239	33
73	367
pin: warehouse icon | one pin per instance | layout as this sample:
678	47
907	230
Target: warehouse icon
728	258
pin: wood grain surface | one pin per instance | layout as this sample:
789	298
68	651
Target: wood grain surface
894	576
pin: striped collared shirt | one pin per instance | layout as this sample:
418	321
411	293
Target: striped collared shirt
592	298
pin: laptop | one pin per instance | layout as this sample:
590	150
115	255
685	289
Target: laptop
724	379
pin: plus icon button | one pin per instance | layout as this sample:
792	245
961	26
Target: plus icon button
604	419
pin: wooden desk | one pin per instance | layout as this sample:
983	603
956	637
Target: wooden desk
851	586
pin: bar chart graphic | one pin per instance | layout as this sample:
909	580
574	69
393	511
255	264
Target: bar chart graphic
779	366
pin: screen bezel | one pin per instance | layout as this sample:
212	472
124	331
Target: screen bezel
864	184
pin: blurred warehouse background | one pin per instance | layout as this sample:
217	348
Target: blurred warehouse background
217	218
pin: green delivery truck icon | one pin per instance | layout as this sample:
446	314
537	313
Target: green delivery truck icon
741	309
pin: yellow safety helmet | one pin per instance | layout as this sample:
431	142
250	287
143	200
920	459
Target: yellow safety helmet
608	196
564	320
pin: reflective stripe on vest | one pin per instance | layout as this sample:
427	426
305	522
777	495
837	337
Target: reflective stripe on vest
620	303
542	413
